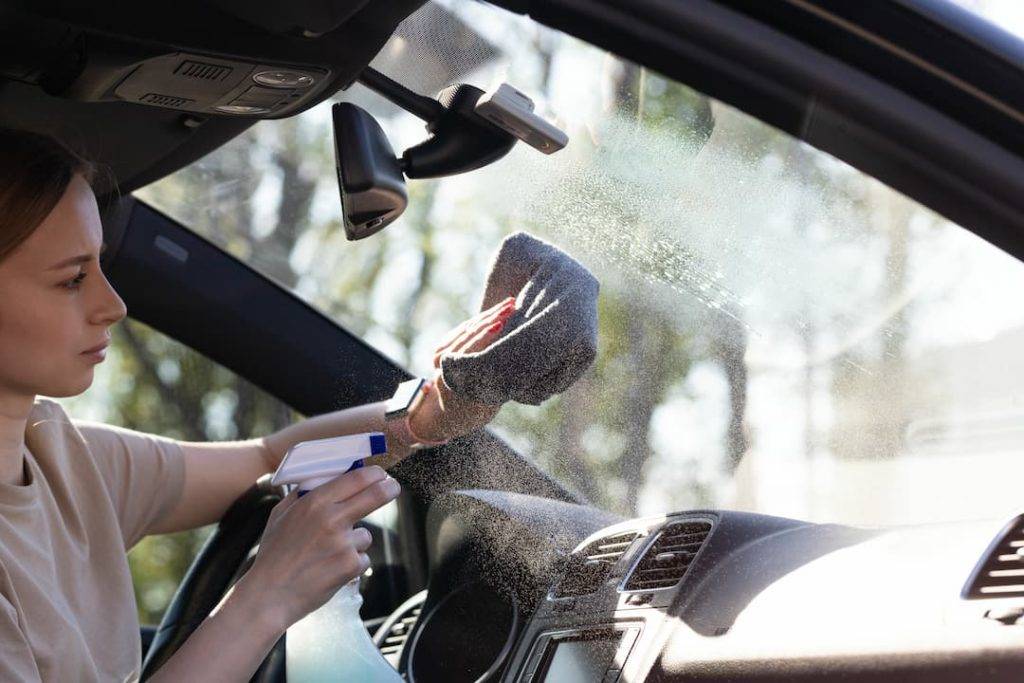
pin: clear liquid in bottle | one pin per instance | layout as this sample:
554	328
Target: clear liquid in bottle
331	644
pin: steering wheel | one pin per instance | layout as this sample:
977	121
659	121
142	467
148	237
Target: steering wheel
219	563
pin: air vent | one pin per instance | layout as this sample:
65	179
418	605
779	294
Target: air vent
588	568
610	548
1001	572
165	100
203	71
392	643
393	633
665	562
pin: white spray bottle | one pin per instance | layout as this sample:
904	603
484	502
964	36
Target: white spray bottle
331	643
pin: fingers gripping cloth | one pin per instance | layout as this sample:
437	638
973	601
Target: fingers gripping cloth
551	339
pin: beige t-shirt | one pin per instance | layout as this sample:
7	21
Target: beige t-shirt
67	606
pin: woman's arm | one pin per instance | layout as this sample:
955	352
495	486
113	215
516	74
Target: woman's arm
308	550
217	473
229	645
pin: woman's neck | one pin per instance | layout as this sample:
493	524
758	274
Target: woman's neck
14	412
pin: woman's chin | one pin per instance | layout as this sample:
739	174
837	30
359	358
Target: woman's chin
66	389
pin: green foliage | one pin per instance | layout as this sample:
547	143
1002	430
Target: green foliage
158	564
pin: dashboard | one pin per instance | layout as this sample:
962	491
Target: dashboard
530	590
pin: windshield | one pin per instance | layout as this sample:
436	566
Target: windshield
778	331
1006	14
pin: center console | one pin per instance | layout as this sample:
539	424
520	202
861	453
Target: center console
581	655
597	622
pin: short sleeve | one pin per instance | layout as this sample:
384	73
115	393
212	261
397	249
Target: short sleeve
145	474
17	663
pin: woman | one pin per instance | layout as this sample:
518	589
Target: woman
75	496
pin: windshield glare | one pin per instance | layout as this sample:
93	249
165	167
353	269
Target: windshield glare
1006	14
778	331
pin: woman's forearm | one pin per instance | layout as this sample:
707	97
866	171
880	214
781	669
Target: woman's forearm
216	473
229	645
355	420
441	415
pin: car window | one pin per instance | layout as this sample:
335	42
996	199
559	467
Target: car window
778	331
1006	14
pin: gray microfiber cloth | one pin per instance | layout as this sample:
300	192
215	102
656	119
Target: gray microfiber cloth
551	339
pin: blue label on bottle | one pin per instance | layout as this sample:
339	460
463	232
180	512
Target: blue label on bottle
358	464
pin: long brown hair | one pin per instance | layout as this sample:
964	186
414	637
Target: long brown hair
35	171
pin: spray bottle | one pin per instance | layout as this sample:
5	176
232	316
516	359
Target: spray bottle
331	643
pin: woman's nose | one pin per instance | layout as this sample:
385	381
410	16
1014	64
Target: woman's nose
110	307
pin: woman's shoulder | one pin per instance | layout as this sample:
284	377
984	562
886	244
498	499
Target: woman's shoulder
50	421
50	428
45	415
47	407
47	410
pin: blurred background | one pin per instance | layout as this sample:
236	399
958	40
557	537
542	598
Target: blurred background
778	332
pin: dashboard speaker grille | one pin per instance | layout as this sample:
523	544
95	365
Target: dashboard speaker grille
1001	572
667	559
588	568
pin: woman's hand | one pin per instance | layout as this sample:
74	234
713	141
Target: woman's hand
309	548
443	414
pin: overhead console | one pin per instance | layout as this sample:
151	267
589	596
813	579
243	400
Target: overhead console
213	58
207	85
146	87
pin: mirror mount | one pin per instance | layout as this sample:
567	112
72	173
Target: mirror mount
469	129
460	139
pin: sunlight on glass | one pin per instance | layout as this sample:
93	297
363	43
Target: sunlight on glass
779	332
1006	14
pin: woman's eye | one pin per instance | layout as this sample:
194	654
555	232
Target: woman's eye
75	282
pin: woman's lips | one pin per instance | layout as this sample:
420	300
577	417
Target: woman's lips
97	353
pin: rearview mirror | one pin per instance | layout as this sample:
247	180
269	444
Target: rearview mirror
369	176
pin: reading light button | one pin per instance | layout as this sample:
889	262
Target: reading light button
241	109
279	78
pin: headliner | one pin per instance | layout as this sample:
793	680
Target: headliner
142	143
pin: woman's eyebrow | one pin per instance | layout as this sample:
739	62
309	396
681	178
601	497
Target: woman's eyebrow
75	260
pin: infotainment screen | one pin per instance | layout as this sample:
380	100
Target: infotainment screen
580	660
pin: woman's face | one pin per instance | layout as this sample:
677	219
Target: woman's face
55	303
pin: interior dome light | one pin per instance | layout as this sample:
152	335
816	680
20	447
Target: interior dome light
283	79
